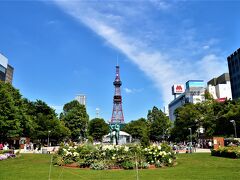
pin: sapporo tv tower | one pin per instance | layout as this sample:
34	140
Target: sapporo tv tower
117	113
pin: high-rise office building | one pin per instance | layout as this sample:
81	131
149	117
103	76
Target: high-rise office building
81	98
234	72
6	71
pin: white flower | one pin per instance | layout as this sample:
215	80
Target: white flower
170	161
75	154
126	148
159	147
68	153
164	153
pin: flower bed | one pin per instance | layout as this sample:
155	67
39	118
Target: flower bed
101	157
230	152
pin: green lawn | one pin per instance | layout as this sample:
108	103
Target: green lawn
190	166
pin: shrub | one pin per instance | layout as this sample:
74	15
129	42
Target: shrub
58	160
143	165
93	156
128	165
229	152
98	165
159	164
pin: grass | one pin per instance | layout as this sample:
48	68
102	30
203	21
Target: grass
190	166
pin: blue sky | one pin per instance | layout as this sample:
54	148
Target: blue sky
62	48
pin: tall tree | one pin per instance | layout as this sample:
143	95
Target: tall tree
11	112
76	119
213	116
97	128
138	130
46	123
159	124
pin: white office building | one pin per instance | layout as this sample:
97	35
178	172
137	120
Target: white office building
81	98
194	93
220	87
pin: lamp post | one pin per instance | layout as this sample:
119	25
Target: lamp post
234	125
190	129
48	138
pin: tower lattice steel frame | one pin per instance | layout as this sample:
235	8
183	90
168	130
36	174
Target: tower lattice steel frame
117	113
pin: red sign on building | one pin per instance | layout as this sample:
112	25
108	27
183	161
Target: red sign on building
177	89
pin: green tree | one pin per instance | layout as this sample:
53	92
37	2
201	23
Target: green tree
97	128
159	124
76	119
213	116
11	112
139	130
46	123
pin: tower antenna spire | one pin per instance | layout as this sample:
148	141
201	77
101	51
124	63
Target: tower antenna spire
117	60
117	113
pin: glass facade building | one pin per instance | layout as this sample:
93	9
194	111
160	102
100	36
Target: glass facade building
234	72
6	71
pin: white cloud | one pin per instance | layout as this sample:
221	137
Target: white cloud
211	66
117	24
127	90
161	4
206	47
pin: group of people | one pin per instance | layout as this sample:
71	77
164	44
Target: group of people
4	146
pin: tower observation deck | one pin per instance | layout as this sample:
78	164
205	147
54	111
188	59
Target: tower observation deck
117	113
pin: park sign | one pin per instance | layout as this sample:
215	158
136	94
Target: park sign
177	89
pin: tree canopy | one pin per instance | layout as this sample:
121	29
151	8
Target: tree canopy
159	124
76	119
20	117
97	128
214	117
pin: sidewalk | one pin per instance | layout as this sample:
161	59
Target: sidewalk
43	150
198	150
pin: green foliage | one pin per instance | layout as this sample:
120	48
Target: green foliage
58	160
110	156
11	110
138	130
229	152
159	154
213	116
101	165
23	118
97	128
143	165
159	164
128	165
90	139
46	122
145	141
76	119
159	124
